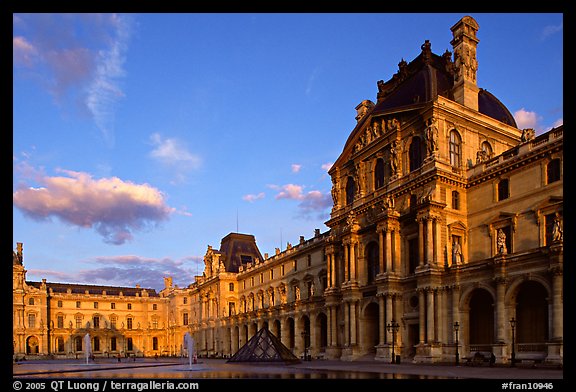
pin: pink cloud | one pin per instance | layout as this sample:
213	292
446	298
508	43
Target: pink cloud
251	198
296	168
526	119
23	52
290	191
113	207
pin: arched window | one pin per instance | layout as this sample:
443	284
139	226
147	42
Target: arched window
487	148
372	261
350	190
415	153
379	173
455	149
231	287
553	171
31	301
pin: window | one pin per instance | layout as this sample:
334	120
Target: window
295	265
78	343
113	305
282	270
59	304
553	171
309	260
455	200
379	174
245	259
31	301
60	344
113	321
129	306
113	344
154	306
252	281
455	149
129	344
185	299
261	277
155	343
413	256
129	322
154	323
77	304
415	153
413	201
350	190
271	273
78	322
96	344
31	320
231	287
96	322
503	189
95	305
60	321
185	319
244	285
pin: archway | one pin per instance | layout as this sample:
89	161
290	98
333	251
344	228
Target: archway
32	345
321	332
481	321
532	313
370	333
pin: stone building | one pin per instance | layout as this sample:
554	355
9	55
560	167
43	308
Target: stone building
446	227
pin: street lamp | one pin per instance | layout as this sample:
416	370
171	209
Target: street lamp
513	357
393	327
456	329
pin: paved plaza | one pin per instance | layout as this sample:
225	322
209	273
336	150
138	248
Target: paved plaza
174	368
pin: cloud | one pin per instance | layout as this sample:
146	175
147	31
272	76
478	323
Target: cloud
296	168
326	166
251	198
79	57
526	119
129	270
558	122
290	191
174	154
550	30
311	202
111	206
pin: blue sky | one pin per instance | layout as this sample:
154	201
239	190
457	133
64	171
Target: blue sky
140	139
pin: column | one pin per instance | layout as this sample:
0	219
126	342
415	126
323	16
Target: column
441	322
381	251
455	301
335	325
421	241
429	242
353	323
557	310
353	245
346	324
430	315
501	323
333	266
329	327
422	315
382	323
388	250
328	271
346	261
438	257
397	261
389	312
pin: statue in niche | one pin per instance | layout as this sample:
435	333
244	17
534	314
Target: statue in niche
297	293
394	157
376	129
501	242
481	156
557	232
335	191
282	291
456	253
432	137
527	135
389	203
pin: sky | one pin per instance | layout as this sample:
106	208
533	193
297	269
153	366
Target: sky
140	139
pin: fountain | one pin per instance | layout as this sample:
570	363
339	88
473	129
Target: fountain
189	344
87	347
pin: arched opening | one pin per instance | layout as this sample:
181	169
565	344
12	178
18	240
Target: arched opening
32	345
455	149
532	313
350	190
305	332
372	261
322	332
291	333
277	328
481	330
370	338
379	174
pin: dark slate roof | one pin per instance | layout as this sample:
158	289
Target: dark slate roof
236	245
93	289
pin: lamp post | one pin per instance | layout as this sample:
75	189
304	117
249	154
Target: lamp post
456	329
393	327
513	356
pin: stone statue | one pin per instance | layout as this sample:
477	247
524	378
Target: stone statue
557	233
432	137
501	242
527	134
394	157
481	156
456	253
297	293
335	191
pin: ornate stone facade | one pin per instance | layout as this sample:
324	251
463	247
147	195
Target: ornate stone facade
444	212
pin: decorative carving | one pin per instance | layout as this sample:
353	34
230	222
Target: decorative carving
432	137
481	156
557	232
527	135
501	242
394	157
456	253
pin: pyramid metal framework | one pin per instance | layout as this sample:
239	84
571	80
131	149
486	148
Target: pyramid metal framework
264	346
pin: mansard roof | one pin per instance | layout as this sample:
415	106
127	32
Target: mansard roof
94	289
239	249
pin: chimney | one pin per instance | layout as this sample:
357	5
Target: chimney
464	46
